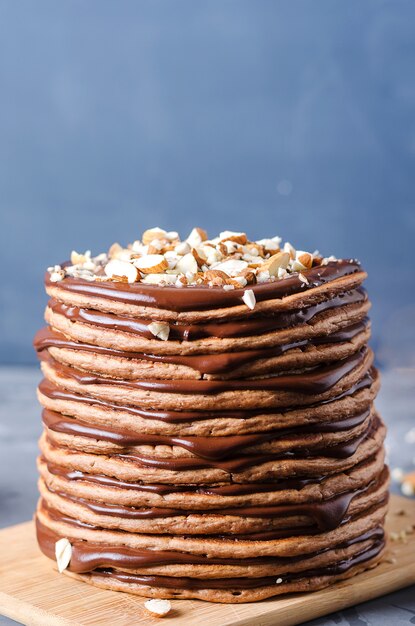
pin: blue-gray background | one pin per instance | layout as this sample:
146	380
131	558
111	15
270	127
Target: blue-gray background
286	117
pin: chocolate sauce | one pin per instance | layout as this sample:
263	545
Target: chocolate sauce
173	582
325	515
203	363
193	298
262	535
238	464
54	392
233	489
87	556
311	382
342	450
213	448
256	325
93	557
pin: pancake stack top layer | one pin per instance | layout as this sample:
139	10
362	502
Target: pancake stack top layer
209	427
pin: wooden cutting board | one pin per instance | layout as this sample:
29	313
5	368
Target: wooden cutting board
32	592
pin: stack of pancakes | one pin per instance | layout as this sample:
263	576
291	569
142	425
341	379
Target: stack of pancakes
237	458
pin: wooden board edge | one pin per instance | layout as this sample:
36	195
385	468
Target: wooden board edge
27	614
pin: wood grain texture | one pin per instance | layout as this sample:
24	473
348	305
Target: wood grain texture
32	592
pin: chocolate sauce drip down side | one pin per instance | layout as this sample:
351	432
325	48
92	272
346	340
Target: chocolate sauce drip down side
212	448
204	363
256	325
325	515
87	556
193	298
53	392
264	535
312	382
342	450
238	464
233	489
241	583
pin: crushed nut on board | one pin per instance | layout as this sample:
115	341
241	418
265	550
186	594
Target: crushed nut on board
157	607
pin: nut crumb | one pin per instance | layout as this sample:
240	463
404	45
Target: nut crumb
63	554
390	559
160	330
157	607
249	299
408	488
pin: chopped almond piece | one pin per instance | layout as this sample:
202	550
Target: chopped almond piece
249	299
122	270
305	258
151	263
281	259
187	264
196	237
228	235
200	259
153	233
160	330
157	608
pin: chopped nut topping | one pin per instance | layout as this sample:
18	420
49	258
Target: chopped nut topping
186	264
122	270
151	263
196	237
276	262
229	261
153	233
56	274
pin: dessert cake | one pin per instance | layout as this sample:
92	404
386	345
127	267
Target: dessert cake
209	420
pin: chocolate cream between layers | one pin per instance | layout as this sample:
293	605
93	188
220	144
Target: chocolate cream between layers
199	443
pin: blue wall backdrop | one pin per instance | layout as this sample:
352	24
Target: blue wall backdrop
286	117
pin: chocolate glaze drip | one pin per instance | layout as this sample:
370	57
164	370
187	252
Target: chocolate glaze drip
193	298
311	382
238	464
325	515
232	464
53	392
266	535
227	329
234	489
339	451
173	582
87	556
235	464
213	448
203	363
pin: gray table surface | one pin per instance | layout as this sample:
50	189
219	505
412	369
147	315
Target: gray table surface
20	428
